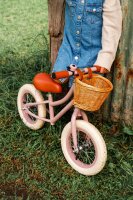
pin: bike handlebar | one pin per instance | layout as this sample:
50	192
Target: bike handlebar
66	74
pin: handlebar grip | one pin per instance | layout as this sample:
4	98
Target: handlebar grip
59	75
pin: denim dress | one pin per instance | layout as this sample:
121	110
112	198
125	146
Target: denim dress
82	34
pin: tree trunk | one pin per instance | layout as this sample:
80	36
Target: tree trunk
120	106
56	26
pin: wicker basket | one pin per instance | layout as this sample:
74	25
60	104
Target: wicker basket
89	94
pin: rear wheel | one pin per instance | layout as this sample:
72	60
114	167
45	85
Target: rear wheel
29	94
91	155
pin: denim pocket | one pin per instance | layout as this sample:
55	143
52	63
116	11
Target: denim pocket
93	13
72	6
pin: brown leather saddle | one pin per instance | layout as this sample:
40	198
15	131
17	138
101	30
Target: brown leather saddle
45	83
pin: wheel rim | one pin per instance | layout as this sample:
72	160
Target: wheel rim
28	98
87	150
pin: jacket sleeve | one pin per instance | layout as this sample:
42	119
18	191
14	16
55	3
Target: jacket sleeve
111	32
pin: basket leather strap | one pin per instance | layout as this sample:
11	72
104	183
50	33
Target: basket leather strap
89	73
80	74
98	68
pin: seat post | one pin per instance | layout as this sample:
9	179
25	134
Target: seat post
51	108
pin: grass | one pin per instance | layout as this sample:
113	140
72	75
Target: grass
32	165
20	24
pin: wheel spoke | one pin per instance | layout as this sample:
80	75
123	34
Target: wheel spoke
28	98
86	148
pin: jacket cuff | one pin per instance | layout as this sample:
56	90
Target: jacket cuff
104	60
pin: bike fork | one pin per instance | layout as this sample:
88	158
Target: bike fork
77	113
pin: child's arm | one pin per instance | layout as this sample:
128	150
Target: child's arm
111	32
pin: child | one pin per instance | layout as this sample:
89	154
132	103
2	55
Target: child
91	34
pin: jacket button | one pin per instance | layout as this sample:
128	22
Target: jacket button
79	17
76	57
78	44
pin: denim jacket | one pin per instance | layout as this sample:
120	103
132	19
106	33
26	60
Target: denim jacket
82	34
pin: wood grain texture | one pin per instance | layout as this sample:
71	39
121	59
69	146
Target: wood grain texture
56	26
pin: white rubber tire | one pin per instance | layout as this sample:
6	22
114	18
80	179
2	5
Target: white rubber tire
29	88
98	142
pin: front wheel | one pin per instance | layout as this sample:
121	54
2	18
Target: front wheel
92	154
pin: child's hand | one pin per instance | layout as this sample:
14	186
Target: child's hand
73	69
102	70
95	68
